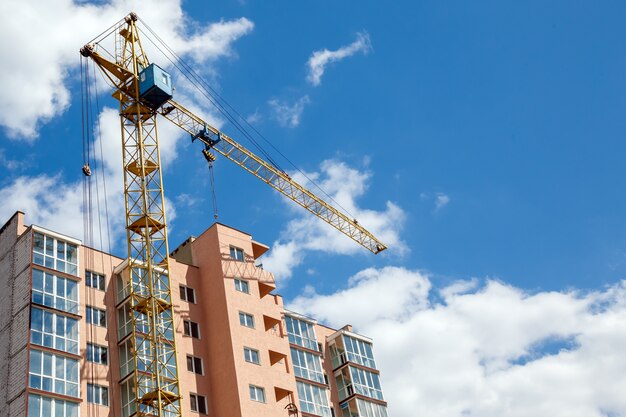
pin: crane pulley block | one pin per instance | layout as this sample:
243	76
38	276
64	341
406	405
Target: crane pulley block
204	135
155	86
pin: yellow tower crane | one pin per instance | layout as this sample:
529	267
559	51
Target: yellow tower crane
144	91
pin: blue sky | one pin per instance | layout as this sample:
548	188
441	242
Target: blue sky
487	136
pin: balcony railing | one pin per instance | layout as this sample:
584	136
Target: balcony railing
246	270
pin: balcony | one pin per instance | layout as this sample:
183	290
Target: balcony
247	270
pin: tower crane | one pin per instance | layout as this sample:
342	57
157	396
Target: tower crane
144	91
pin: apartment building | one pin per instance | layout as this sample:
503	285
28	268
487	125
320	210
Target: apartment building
67	349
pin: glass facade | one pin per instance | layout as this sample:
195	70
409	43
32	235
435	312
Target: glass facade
55	254
366	383
359	351
370	409
54	291
54	373
53	330
307	365
313	399
301	333
39	406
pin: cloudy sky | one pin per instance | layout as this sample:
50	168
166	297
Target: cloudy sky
482	141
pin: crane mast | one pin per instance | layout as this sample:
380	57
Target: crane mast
155	374
146	275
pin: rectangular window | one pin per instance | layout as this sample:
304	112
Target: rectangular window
366	383
359	351
307	365
313	399
129	406
191	328
97	394
242	285
370	409
55	254
54	373
257	393
53	330
246	319
187	294
97	354
94	280
39	406
194	364
198	403
251	355
236	253
55	292
301	333
96	316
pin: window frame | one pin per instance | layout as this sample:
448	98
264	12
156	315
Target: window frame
100	279
53	335
103	394
249	358
194	399
243	320
94	350
191	324
193	361
241	284
256	390
237	253
54	291
183	289
48	373
49	257
89	316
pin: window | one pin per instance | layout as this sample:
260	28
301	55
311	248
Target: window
257	393
129	406
49	372
94	280
236	253
194	365
191	328
313	399
198	403
369	409
246	319
251	355
55	254
55	292
96	316
97	394
307	365
53	330
187	294
97	354
366	383
242	285
39	406
301	333
359	351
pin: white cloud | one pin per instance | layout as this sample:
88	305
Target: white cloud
308	233
288	115
47	201
320	59
441	200
35	74
493	351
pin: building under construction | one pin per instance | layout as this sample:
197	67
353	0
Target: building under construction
67	329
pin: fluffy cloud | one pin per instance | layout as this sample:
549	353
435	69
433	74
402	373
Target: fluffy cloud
308	233
486	349
441	200
320	59
288	115
35	74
